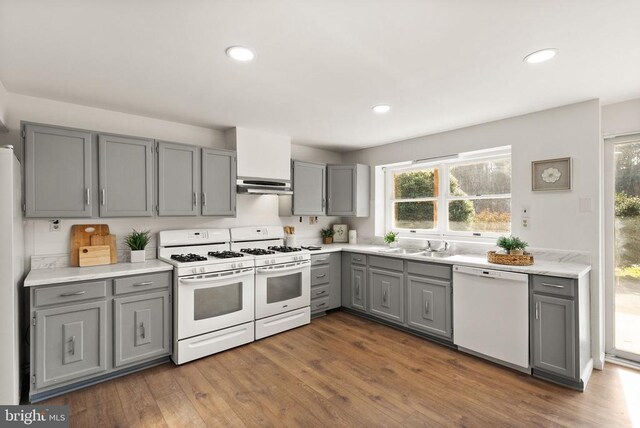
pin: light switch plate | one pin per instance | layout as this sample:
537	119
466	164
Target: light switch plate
525	223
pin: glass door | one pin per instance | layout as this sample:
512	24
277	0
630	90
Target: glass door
623	293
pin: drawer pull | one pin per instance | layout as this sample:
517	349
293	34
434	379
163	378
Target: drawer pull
322	304
138	284
319	293
551	285
321	276
75	293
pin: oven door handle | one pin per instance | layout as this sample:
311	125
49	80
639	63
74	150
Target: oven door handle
277	270
215	277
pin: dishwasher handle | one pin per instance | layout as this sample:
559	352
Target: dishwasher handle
490	273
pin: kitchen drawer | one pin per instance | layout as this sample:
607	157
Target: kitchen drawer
358	259
386	263
320	275
134	284
320	259
320	291
429	269
320	304
553	285
61	294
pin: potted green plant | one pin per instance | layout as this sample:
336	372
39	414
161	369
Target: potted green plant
137	241
512	244
391	239
327	235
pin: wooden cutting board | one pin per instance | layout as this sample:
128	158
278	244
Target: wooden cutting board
81	237
94	255
109	240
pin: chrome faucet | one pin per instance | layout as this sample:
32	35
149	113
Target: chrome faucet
442	248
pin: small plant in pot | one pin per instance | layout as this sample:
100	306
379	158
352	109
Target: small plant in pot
327	235
391	239
137	241
512	245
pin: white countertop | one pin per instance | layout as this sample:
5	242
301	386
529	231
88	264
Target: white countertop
72	274
539	267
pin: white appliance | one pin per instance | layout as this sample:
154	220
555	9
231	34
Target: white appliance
213	289
11	272
491	315
283	279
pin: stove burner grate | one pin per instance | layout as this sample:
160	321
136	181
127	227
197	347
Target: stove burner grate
225	254
188	258
257	251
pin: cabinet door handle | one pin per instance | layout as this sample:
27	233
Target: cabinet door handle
143	334
426	306
195	199
320	293
73	345
204	199
384	296
324	203
321	276
537	310
87	196
138	284
358	289
74	293
103	196
551	285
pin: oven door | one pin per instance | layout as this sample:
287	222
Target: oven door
282	288
214	301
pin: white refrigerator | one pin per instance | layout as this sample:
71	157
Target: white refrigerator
11	272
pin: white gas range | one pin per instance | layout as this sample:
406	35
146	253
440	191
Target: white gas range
282	279
213	292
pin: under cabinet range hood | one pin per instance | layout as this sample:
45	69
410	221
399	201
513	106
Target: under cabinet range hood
264	161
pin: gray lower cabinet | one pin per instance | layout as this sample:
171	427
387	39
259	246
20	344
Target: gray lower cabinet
218	182
70	343
309	188
326	282
178	173
429	305
142	328
553	335
125	177
58	171
560	329
348	190
84	332
358	288
386	291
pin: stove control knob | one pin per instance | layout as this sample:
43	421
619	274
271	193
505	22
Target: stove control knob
233	265
240	265
273	261
202	269
194	270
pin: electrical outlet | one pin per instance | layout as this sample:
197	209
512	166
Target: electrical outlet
54	225
525	223
525	211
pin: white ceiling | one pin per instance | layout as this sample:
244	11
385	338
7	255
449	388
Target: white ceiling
322	64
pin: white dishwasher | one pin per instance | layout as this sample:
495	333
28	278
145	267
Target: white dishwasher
491	315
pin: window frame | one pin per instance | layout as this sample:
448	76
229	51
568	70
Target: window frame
442	201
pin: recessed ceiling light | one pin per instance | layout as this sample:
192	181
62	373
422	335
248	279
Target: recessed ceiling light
381	108
541	55
240	53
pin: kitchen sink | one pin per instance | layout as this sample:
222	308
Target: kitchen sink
399	251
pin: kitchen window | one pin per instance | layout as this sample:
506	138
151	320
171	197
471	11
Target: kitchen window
467	194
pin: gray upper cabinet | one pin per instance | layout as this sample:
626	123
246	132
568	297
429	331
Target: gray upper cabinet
429	305
126	176
309	190
218	182
58	172
554	347
142	327
177	180
348	190
70	343
386	290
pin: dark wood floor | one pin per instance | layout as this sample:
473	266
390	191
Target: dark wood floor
342	370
